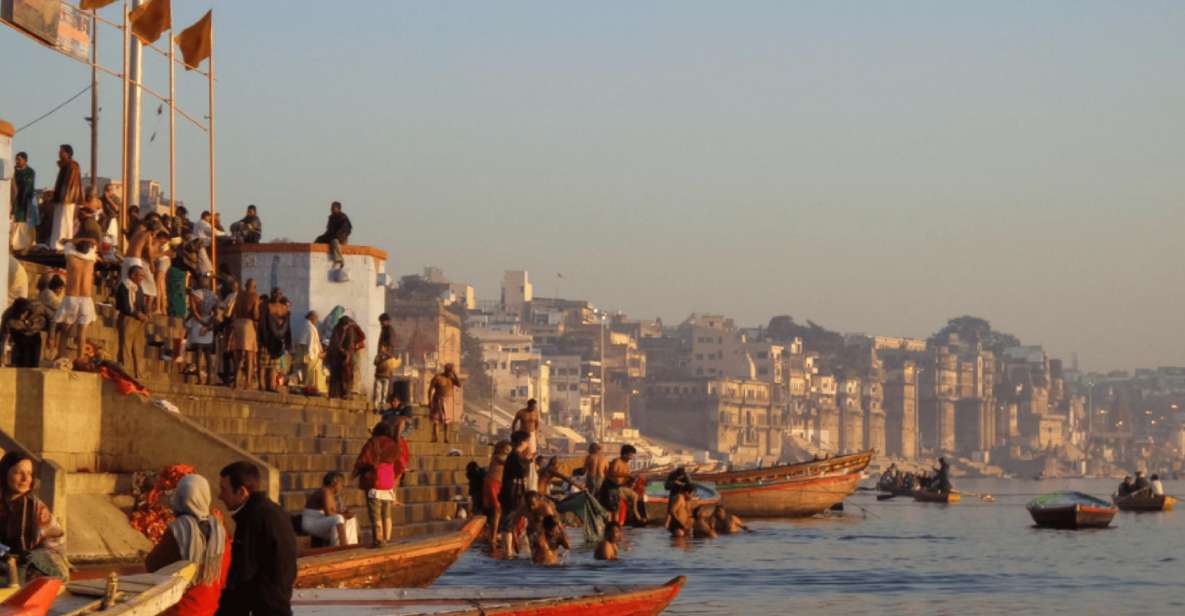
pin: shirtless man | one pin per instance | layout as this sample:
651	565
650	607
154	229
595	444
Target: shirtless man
78	307
702	526
527	420
139	253
679	521
542	550
607	548
595	466
726	523
619	480
440	394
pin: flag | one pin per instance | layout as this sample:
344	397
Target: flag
195	41
87	5
150	19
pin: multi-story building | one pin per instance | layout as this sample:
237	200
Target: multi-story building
731	418
517	291
516	367
901	409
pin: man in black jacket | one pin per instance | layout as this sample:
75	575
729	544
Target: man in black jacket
263	553
337	233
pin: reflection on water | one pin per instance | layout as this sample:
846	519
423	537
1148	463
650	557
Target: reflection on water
897	556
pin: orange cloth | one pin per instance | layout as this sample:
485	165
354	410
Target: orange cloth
197	41
151	19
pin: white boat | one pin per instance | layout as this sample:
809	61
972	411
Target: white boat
142	594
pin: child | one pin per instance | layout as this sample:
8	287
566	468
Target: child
542	552
607	548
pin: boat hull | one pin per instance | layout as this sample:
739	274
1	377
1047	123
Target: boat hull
599	601
795	490
408	564
925	496
1073	517
1145	503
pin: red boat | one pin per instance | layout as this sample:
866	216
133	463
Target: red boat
400	565
791	490
32	599
461	601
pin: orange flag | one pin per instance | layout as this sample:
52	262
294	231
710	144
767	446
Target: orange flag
196	41
151	19
87	5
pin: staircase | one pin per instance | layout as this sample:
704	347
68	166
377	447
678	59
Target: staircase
305	443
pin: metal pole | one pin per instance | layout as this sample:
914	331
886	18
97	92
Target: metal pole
603	388
123	165
94	103
172	132
135	66
493	398
213	186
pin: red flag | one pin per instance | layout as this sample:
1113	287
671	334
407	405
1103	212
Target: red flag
87	5
151	19
196	41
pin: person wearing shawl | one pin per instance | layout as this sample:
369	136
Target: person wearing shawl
314	353
325	518
275	336
67	192
200	538
378	469
27	526
346	341
24	213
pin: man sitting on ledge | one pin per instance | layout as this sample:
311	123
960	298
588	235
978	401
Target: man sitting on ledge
337	233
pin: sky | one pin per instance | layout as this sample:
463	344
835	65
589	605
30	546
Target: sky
876	167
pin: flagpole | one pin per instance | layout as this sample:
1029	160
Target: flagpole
172	133
213	186
94	102
136	68
123	205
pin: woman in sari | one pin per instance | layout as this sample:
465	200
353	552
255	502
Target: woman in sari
200	538
314	354
27	526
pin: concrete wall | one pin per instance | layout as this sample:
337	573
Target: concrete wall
5	198
81	422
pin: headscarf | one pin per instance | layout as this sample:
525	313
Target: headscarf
201	538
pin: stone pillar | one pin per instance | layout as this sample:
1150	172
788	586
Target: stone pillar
6	170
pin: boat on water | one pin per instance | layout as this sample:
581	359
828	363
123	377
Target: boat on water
33	599
934	496
1144	502
1071	510
597	600
406	564
657	499
791	490
141	594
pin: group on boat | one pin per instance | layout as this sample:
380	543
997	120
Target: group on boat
925	486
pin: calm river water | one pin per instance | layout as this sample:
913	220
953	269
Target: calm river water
898	556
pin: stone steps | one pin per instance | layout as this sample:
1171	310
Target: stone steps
297	480
401	514
294	500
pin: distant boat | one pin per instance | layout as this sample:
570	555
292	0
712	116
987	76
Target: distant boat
405	564
599	600
792	490
1071	510
1144	502
657	499
930	496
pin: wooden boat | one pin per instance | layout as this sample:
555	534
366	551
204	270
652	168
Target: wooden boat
417	562
1142	502
142	594
930	496
1071	510
657	499
792	490
550	601
32	599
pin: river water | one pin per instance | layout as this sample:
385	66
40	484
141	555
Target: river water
896	556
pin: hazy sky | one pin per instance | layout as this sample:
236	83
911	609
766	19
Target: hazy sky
876	167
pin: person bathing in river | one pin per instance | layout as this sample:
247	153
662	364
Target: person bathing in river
726	523
607	548
679	521
702	524
543	547
619	484
595	467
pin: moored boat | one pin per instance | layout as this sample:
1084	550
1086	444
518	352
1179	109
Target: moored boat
142	594
597	600
1071	510
931	496
406	564
1144	502
792	490
657	499
33	599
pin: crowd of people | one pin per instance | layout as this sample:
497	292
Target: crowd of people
897	481
1140	486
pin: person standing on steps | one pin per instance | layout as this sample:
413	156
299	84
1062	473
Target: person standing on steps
378	469
263	553
440	396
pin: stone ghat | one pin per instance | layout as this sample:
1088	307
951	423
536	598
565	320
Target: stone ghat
304	438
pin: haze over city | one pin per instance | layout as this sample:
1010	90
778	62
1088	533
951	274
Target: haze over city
878	171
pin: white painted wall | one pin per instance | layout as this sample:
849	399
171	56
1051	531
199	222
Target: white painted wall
305	279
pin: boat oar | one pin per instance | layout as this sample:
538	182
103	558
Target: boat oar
885	497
